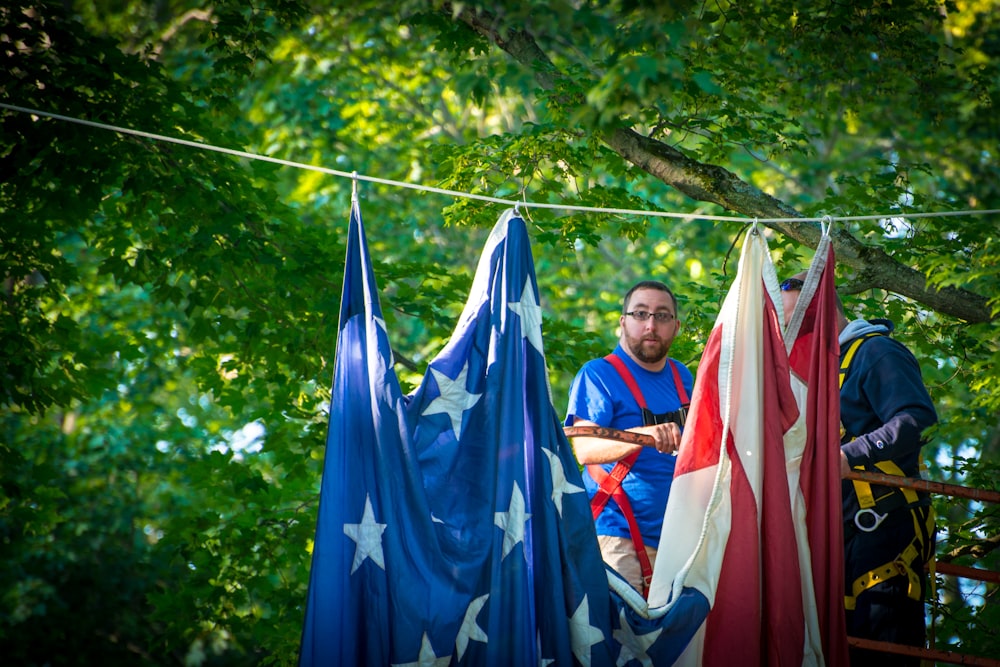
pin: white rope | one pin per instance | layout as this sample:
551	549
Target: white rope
468	195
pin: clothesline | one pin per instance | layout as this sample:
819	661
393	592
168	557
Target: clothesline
468	195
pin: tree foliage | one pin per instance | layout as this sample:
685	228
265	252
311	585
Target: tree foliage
168	314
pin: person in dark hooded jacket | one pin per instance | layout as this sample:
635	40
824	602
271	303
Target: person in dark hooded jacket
889	533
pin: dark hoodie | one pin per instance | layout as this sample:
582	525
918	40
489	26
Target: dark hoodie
884	405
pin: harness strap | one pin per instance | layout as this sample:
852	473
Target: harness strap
920	549
633	526
633	386
902	565
899	566
626	375
845	364
866	497
890	468
609	485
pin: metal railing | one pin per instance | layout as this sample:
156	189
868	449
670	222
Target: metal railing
950	569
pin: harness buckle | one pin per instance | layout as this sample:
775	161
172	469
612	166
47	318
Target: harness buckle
876	519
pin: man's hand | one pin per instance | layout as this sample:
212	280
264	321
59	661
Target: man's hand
667	436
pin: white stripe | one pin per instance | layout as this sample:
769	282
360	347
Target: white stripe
809	286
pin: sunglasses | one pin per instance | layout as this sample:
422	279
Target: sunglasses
792	285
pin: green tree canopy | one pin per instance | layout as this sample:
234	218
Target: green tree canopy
168	315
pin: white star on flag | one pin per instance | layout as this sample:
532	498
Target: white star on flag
582	633
368	536
470	630
427	657
512	521
634	646
531	316
560	486
454	400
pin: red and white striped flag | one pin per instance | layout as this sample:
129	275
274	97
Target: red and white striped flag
735	527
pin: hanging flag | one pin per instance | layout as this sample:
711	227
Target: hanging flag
814	357
453	527
729	517
453	524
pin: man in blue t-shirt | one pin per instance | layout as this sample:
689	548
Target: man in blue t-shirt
654	405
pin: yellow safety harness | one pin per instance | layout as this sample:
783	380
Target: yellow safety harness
920	549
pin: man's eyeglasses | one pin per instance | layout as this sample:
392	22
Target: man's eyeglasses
642	316
792	285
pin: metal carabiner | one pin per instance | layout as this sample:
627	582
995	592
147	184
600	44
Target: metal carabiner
876	517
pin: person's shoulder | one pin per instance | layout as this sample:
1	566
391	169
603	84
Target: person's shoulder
883	345
600	365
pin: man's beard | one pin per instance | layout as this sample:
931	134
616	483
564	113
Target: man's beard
646	354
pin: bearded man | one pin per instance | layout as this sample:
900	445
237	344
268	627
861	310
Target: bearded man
639	388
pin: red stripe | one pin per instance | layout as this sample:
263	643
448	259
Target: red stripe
783	618
758	607
704	422
732	630
815	356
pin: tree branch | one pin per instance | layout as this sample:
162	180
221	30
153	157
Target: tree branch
976	549
714	184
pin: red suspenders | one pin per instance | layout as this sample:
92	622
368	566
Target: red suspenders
610	485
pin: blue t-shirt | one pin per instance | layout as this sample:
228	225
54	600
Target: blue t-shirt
600	395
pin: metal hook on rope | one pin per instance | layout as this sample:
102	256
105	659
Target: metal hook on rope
354	187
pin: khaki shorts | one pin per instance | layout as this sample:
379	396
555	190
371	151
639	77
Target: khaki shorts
619	553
